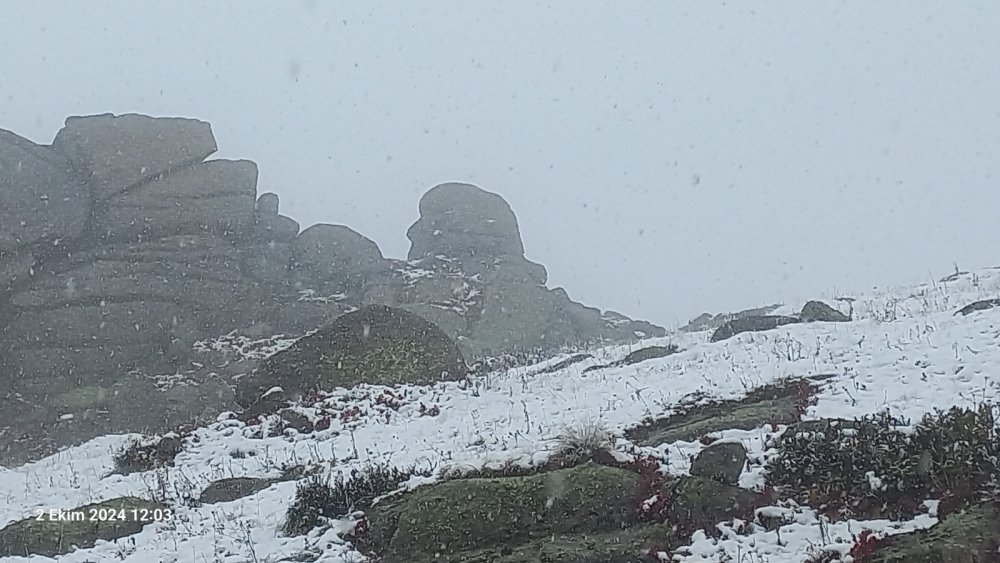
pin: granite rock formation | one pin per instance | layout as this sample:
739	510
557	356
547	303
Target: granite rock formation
124	248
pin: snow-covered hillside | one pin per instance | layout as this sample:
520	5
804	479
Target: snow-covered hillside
906	351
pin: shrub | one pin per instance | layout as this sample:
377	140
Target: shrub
581	442
871	468
138	455
317	498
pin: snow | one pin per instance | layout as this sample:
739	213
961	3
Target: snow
906	352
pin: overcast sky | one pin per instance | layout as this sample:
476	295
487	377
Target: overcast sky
663	158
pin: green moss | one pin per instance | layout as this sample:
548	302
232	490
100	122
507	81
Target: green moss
470	514
971	536
377	345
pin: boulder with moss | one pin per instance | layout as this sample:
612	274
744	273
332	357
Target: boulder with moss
818	311
58	532
376	344
586	508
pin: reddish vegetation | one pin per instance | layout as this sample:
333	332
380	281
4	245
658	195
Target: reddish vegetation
865	545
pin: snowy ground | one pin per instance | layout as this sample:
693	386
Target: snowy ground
906	352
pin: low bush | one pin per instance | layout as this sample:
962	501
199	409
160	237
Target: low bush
872	468
317	497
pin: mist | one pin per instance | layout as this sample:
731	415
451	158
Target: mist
663	159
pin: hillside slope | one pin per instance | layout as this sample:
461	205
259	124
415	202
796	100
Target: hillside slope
907	351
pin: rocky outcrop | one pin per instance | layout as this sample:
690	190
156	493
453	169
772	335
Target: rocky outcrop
122	246
707	321
116	153
377	344
750	324
814	311
60	530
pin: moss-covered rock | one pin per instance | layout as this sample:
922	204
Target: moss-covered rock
779	403
750	324
649	353
51	536
631	545
376	344
233	488
701	503
453	520
971	536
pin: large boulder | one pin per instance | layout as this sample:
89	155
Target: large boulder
580	512
464	222
40	198
60	531
376	344
115	153
818	311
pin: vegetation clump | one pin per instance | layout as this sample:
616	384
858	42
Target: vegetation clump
138	456
317	498
871	467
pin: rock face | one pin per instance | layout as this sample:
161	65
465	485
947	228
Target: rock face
121	247
467	224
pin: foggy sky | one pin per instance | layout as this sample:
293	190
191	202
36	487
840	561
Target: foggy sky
663	158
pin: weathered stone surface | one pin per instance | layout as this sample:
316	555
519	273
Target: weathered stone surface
722	462
750	324
50	538
115	153
267	205
377	344
278	228
337	258
214	197
184	270
112	323
40	197
467	223
819	311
